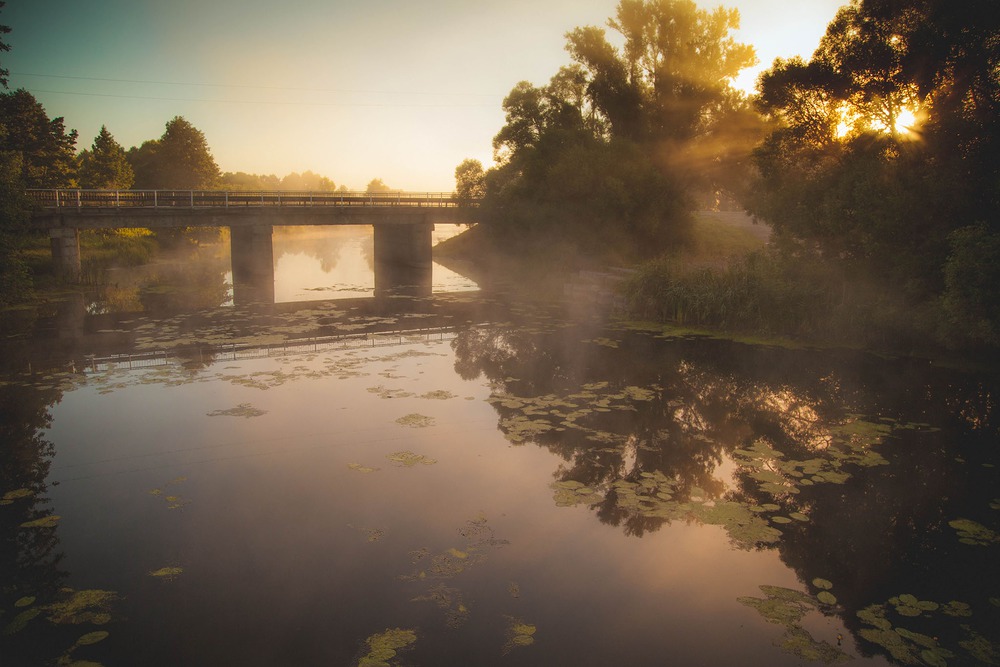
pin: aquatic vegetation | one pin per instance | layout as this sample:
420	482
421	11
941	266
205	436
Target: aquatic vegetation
787	607
415	420
362	468
519	634
26	601
172	500
9	497
913	648
479	538
169	573
383	392
50	521
409	459
384	646
20	622
449	600
86	606
569	493
242	410
974	533
438	395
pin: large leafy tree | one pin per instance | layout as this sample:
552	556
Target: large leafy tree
610	152
887	141
47	150
105	165
179	160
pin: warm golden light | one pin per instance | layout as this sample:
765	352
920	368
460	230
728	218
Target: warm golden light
905	121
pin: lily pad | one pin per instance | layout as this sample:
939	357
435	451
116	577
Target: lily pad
974	533
414	420
92	638
26	601
823	584
49	521
409	459
361	468
167	572
245	410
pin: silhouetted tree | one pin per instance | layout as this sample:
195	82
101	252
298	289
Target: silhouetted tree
48	158
470	180
105	166
376	185
180	159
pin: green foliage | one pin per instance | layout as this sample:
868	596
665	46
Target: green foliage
842	180
105	166
470	180
46	149
972	273
609	153
15	281
376	185
180	160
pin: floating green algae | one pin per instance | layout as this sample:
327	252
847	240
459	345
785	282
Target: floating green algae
415	420
519	634
787	607
168	573
384	646
9	497
50	521
450	601
245	410
438	395
86	606
479	539
382	392
409	459
362	468
974	533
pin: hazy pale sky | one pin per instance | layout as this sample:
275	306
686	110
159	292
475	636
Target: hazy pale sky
400	90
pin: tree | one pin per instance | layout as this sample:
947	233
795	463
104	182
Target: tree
105	166
611	151
845	177
47	150
376	185
470	180
179	160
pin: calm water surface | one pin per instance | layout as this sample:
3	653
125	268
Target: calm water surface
474	479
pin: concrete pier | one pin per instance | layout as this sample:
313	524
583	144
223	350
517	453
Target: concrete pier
403	259
252	254
66	252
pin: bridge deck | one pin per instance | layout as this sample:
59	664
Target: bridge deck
130	199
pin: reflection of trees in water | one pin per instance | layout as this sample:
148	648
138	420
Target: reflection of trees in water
325	244
29	557
843	444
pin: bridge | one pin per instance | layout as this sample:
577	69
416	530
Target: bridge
402	221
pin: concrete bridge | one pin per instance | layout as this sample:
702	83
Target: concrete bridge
402	222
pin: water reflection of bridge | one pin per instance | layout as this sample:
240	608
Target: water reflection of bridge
204	354
402	223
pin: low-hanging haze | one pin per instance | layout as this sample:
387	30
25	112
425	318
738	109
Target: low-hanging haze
390	89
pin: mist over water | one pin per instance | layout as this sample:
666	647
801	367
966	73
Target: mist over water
474	477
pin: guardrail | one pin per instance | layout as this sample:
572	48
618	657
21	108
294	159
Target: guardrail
80	199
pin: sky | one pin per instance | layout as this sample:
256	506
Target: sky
400	90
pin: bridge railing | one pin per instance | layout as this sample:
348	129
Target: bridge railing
130	199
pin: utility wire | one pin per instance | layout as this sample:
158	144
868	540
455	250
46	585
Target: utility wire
256	87
277	102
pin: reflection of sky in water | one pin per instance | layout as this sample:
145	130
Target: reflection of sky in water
314	263
274	520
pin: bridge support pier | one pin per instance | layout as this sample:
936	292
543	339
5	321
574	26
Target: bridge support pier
252	256
403	259
65	243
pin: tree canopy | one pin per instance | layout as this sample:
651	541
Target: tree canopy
105	166
47	151
886	145
613	149
180	159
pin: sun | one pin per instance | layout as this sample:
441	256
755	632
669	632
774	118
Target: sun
906	121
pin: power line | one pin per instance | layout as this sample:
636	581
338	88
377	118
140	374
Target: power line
255	87
276	102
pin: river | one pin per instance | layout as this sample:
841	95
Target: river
474	477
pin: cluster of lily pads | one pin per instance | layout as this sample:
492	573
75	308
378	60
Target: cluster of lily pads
787	607
70	607
886	628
